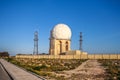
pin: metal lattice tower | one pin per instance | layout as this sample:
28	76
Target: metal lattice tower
81	40
35	43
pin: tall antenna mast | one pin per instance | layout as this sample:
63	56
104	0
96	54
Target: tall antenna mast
35	43
81	41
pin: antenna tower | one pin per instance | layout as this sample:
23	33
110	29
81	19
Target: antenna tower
35	43
81	41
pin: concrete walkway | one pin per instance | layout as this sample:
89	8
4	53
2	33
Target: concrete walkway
3	74
17	73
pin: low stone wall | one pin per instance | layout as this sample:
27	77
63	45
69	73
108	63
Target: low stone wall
81	56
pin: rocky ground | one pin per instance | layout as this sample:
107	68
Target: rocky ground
89	70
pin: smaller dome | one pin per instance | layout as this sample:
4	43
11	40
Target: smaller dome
61	31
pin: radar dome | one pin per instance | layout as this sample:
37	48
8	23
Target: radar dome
61	31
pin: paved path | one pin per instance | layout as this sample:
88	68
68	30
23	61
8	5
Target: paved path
17	73
3	74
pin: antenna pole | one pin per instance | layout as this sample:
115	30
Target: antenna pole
35	43
81	40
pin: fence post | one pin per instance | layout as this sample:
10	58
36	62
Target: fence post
80	56
117	55
102	56
109	56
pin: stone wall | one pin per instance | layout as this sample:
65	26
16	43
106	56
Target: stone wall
58	46
82	56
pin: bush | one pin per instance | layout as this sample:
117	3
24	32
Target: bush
39	67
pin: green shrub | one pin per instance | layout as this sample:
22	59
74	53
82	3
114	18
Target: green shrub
39	67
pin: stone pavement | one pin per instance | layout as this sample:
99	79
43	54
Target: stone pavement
17	73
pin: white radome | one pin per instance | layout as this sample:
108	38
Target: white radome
61	31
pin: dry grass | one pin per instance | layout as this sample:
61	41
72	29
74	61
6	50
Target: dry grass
112	68
48	68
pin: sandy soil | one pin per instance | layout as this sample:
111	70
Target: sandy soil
89	70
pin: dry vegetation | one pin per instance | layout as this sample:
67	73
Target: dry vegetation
71	69
112	68
48	68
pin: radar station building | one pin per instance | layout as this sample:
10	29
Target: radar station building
60	41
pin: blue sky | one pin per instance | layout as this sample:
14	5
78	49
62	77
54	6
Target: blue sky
99	20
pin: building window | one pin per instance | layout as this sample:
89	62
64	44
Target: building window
60	46
66	47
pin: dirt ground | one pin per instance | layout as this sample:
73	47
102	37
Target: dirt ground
89	70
